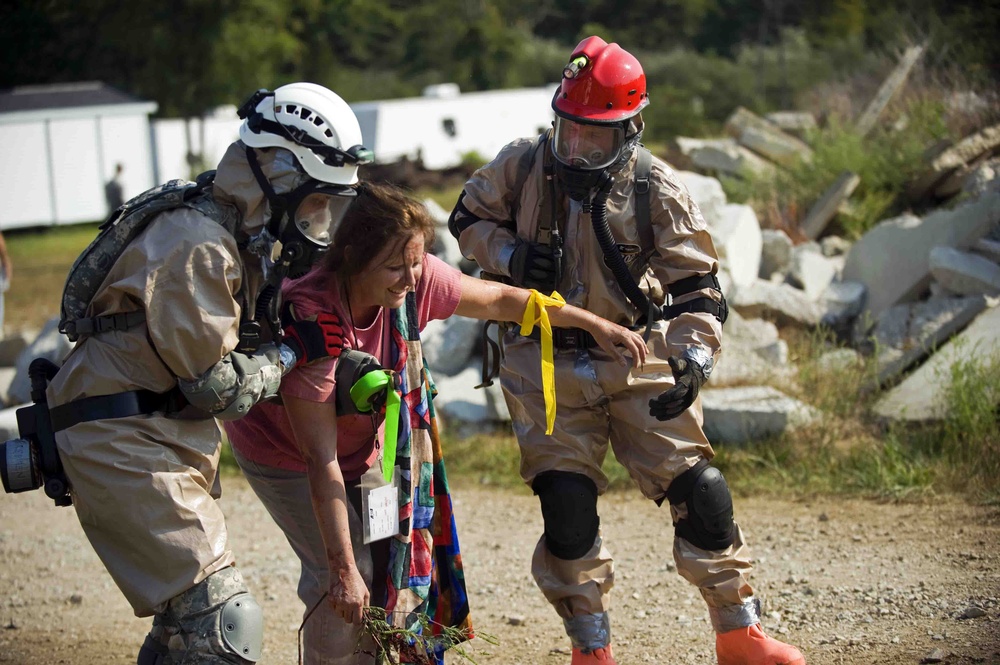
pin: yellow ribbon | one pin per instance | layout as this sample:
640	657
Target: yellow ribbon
534	313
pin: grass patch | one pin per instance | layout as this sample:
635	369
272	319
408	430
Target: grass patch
446	198
41	259
886	162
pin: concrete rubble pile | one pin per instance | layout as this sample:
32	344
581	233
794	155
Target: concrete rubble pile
915	294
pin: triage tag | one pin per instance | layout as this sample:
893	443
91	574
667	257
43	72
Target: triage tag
380	505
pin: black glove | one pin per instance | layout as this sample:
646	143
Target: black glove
533	266
688	379
314	340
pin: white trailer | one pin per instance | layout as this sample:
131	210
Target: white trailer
61	144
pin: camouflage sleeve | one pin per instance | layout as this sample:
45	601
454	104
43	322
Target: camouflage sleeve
234	384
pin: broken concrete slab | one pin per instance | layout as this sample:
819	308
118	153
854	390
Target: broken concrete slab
811	271
730	160
825	209
775	253
742	118
775	145
923	394
905	334
743	415
459	400
8	423
448	344
987	248
707	192
687	145
888	89
737	238
798	123
50	344
781	303
835	246
965	152
741	364
892	259
964	273
842	303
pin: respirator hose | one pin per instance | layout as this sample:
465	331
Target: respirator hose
615	260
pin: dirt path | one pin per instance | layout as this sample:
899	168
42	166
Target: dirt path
850	582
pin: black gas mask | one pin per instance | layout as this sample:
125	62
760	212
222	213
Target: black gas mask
306	228
297	235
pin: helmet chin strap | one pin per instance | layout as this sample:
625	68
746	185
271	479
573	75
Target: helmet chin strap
277	203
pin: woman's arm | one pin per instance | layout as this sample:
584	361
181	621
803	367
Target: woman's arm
482	299
315	428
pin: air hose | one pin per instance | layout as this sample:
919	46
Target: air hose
615	260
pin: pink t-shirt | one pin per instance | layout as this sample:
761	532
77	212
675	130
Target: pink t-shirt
265	435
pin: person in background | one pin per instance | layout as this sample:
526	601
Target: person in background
574	211
113	192
172	341
313	457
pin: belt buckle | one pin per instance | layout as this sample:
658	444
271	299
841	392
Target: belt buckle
568	339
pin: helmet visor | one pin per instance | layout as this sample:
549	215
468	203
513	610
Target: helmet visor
319	213
587	146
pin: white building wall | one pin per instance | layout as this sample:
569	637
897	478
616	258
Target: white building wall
483	122
125	140
24	176
67	186
174	139
57	161
75	168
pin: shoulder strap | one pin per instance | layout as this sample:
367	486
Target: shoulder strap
524	164
93	265
643	167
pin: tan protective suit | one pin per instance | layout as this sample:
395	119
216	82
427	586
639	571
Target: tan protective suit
144	487
598	400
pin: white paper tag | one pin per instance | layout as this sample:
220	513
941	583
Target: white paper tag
382	513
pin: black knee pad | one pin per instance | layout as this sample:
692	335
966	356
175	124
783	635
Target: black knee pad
709	522
569	509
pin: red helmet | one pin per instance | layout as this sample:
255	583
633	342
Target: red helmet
602	84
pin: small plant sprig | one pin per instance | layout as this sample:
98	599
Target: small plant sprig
395	645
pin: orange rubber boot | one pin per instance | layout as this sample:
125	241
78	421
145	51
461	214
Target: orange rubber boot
750	646
595	657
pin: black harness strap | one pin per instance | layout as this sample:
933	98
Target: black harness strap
703	304
643	167
118	405
100	324
492	353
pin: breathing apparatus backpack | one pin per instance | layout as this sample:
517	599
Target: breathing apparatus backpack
91	268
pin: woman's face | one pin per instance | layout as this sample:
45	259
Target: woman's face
392	274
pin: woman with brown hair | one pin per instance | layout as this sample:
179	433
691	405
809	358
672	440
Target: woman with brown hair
318	462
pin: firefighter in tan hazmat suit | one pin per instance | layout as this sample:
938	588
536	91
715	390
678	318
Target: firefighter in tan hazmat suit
573	226
143	474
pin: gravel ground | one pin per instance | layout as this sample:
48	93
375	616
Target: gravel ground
848	581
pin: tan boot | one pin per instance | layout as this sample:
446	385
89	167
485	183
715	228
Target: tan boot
750	646
596	657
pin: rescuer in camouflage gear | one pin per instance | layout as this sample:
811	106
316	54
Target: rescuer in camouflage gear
135	404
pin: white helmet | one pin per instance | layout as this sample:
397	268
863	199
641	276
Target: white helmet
314	123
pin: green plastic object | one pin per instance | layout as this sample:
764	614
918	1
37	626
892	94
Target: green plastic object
362	392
